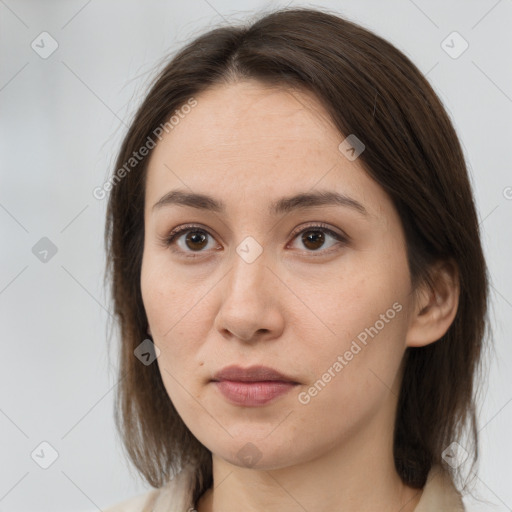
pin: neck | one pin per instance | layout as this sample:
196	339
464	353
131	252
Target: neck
353	476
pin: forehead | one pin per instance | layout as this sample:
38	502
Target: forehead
249	115
245	105
256	140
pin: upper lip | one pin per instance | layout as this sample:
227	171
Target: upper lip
251	374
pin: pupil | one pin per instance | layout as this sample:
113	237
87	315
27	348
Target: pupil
196	237
314	237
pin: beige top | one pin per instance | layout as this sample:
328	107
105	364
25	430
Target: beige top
439	495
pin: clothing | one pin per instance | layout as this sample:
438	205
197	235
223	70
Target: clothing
439	495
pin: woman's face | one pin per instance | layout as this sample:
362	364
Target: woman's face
250	284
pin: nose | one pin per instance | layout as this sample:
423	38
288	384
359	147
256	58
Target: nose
250	308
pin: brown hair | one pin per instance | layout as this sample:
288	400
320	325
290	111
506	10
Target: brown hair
370	89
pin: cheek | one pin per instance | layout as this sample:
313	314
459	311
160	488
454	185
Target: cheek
356	338
341	307
352	374
177	309
169	312
168	299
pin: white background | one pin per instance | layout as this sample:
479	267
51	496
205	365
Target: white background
62	119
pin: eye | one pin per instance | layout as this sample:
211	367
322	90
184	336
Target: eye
313	237
195	240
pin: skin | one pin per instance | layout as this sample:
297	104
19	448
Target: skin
295	308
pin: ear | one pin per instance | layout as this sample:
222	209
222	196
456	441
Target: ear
435	307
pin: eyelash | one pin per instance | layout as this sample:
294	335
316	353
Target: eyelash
168	240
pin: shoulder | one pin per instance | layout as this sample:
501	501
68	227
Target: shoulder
175	495
139	503
439	493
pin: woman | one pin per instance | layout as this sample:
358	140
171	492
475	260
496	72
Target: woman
297	272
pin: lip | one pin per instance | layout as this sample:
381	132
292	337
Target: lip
251	374
253	386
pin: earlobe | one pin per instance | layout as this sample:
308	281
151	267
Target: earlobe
435	307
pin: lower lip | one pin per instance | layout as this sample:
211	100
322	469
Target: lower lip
252	394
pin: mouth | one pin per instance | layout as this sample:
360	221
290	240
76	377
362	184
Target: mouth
254	386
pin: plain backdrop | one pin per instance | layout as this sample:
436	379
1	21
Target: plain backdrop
62	118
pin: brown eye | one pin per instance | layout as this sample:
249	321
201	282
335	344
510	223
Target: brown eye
195	240
191	240
314	238
188	239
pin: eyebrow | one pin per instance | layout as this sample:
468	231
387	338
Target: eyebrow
280	206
